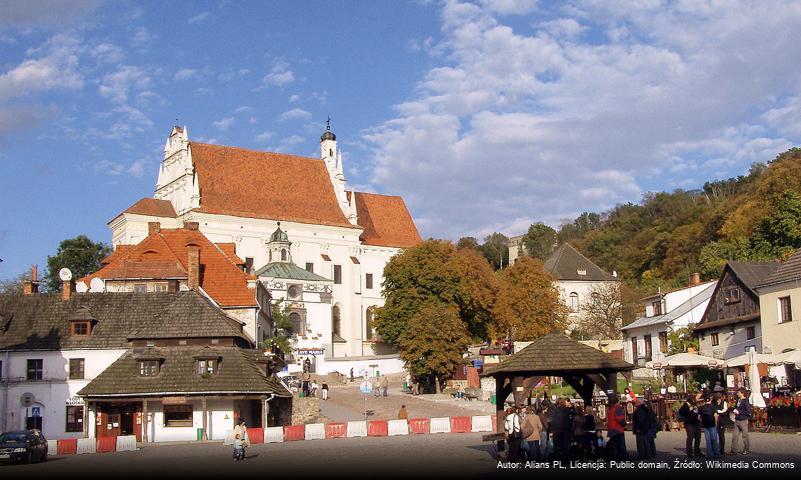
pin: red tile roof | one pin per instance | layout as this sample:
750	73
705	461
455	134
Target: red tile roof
276	186
386	221
229	249
154	207
163	255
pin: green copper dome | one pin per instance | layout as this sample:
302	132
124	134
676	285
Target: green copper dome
279	235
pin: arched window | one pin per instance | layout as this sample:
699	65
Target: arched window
574	302
330	152
283	255
336	320
368	324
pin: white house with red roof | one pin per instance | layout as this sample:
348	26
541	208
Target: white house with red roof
238	197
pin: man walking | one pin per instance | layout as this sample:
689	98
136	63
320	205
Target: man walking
688	413
742	416
513	433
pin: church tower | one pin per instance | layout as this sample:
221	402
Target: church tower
278	247
333	162
177	181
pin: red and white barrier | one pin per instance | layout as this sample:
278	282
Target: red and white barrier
126	443
106	445
336	430
87	445
481	423
255	436
397	427
419	425
294	432
315	431
52	447
274	434
461	425
377	428
440	425
68	446
357	429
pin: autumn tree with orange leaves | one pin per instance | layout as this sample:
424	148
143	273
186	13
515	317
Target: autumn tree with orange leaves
527	306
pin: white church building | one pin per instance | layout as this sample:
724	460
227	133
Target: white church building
340	238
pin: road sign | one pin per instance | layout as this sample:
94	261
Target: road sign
36	412
366	387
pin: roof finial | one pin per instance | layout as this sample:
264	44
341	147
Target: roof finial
328	123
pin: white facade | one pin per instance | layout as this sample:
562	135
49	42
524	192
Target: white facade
322	246
679	309
575	294
53	393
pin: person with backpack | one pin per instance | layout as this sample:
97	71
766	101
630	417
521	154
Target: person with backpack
615	429
688	413
743	412
531	429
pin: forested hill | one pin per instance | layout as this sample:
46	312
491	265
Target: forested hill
667	236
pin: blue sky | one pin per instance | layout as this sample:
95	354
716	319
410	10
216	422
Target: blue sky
486	115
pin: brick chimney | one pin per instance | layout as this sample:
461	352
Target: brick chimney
695	279
67	287
153	227
191	225
193	264
31	286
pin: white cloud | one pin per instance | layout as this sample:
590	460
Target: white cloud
279	76
294	98
107	53
224	124
295	114
288	143
141	37
540	125
116	169
264	136
118	84
199	18
185	74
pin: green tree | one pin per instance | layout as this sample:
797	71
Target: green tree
528	305
283	328
434	272
80	254
539	241
496	250
468	242
681	340
779	233
433	343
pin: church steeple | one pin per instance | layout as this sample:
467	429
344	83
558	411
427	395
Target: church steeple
333	162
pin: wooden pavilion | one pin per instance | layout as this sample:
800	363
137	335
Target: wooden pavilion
581	366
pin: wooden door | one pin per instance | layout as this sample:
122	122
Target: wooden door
112	426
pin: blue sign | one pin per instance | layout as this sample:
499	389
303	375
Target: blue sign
36	412
366	387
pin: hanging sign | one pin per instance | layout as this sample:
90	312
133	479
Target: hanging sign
173	401
311	351
75	402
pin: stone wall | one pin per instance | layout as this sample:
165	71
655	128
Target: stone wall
305	410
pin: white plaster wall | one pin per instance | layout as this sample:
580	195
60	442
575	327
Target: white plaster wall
385	364
53	391
218	424
780	336
731	344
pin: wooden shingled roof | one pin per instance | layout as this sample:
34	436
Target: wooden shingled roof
557	355
238	373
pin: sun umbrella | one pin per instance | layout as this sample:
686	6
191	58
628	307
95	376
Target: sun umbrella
754	381
686	360
744	359
791	357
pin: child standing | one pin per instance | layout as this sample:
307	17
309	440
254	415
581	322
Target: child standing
239	448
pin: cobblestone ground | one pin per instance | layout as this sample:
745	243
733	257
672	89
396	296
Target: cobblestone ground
423	456
346	403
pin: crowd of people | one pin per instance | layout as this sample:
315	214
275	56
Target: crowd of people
712	414
564	431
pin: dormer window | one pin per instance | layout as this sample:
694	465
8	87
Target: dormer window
207	366
80	329
148	368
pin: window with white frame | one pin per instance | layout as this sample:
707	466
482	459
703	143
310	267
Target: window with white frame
574	302
785	310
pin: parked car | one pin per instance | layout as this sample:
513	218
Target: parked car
23	446
291	381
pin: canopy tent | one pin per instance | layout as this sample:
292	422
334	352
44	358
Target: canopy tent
686	360
792	357
581	366
743	360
